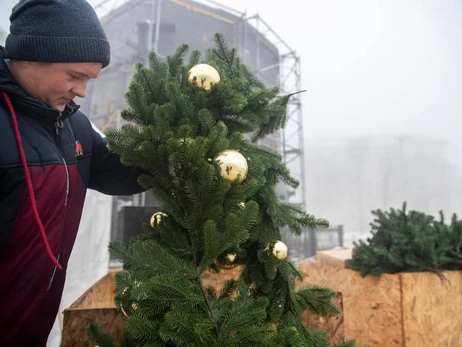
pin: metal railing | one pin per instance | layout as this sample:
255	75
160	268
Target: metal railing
305	245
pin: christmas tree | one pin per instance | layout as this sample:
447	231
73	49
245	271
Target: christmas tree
409	241
193	127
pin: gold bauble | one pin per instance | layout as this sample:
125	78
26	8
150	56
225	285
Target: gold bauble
186	141
227	261
203	75
242	204
233	165
277	250
156	219
134	307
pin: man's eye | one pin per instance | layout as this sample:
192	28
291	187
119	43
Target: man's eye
73	77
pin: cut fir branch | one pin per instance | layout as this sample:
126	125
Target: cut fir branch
408	241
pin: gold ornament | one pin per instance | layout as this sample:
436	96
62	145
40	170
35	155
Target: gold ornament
242	204
186	141
233	165
134	305
227	261
134	308
156	219
277	250
203	75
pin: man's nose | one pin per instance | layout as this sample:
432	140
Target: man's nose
80	89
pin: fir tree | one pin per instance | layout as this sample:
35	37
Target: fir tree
411	241
176	131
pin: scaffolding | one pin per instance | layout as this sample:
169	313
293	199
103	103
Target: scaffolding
291	143
289	83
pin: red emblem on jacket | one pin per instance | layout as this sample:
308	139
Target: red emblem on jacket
78	148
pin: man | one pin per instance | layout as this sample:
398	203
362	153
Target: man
49	156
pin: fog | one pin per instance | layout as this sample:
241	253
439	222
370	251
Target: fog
383	109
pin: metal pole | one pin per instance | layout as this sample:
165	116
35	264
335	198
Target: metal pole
341	235
284	148
158	16
313	242
241	27
258	46
142	196
301	143
244	55
150	31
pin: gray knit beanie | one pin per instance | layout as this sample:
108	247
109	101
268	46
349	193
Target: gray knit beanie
58	31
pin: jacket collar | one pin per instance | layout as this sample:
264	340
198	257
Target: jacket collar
22	101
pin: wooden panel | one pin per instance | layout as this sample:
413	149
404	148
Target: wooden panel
431	308
96	305
410	309
333	326
99	295
76	322
336	258
218	280
372	307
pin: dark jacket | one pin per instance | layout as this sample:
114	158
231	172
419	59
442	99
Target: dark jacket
64	158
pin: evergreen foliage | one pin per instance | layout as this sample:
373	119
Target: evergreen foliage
176	131
411	241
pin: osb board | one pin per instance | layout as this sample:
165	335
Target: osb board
371	305
431	309
332	325
218	280
76	322
336	258
95	305
99	295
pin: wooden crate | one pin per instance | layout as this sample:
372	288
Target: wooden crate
96	305
333	325
337	257
408	309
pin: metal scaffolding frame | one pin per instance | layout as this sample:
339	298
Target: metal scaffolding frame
292	140
289	83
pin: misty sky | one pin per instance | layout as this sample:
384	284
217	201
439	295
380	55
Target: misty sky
370	66
375	66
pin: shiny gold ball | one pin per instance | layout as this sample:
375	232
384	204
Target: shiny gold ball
186	141
233	165
227	261
203	75
277	250
242	204
134	307
156	219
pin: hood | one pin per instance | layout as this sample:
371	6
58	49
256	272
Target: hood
23	101
7	83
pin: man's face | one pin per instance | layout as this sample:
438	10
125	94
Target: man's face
57	83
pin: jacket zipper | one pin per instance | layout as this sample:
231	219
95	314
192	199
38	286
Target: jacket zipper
58	125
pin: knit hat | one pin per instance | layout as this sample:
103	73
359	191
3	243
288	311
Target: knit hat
58	31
